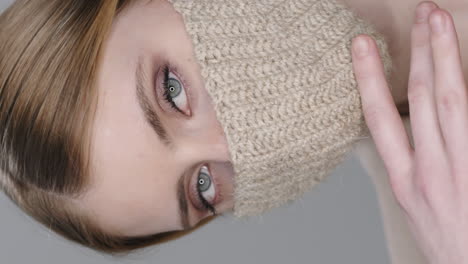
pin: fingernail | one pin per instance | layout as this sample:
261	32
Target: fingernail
422	12
438	22
360	46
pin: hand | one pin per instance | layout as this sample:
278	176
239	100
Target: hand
429	181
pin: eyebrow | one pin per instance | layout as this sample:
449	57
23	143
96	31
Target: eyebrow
151	116
153	120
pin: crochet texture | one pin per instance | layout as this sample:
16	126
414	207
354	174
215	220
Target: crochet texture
280	75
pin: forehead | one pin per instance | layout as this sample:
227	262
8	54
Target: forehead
130	190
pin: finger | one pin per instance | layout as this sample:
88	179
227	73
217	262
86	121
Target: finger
427	137
450	87
380	113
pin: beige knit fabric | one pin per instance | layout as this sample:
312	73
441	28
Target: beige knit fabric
280	75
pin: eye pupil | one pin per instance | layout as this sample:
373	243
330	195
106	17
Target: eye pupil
204	182
174	87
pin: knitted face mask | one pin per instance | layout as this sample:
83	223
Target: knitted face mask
280	75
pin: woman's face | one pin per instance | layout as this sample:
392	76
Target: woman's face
147	153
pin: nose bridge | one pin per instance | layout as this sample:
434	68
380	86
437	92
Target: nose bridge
204	147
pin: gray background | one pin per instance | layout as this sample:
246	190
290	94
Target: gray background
337	222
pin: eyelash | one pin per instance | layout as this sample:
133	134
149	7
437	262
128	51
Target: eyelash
165	86
204	202
168	99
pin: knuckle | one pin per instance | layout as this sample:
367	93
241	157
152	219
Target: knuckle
400	185
424	180
417	89
400	192
422	185
448	100
424	188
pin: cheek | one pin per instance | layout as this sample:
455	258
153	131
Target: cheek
140	205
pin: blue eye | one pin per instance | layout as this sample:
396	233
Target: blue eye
174	87
174	92
206	189
204	182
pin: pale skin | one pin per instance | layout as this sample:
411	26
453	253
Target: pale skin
134	175
394	19
429	177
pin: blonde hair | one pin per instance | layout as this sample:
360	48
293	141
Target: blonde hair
49	53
